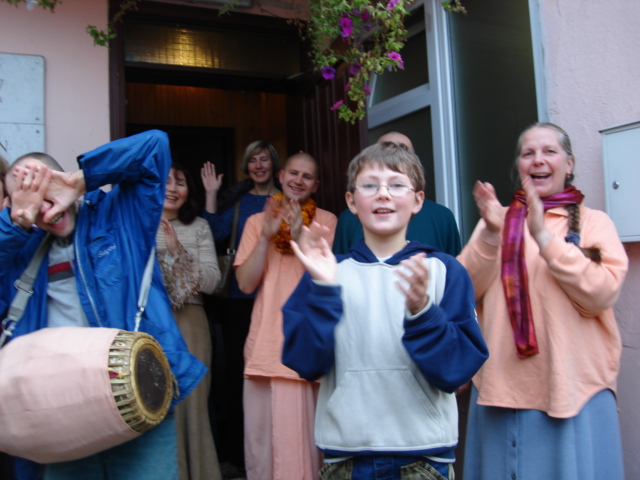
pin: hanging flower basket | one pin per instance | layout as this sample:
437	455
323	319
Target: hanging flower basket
367	35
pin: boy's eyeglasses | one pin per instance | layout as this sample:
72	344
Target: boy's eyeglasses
394	189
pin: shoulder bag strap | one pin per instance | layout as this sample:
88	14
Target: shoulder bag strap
145	287
234	230
24	285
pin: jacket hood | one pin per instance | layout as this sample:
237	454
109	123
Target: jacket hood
361	252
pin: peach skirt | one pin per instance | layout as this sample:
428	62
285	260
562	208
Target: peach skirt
279	416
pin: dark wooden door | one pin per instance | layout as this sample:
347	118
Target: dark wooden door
314	128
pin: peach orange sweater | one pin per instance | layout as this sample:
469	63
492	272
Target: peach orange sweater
263	348
571	300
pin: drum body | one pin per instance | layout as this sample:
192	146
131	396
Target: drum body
70	392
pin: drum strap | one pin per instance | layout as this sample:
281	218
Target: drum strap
144	287
24	285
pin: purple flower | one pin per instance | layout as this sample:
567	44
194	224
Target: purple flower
363	14
328	72
392	4
337	104
354	69
395	56
346	25
347	86
367	90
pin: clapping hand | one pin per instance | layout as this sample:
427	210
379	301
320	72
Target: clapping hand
415	283
535	215
292	214
272	217
313	250
488	205
170	237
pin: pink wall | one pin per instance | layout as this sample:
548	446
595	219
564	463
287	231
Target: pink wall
592	73
76	72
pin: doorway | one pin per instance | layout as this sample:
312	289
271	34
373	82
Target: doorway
181	65
192	146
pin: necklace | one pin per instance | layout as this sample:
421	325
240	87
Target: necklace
282	239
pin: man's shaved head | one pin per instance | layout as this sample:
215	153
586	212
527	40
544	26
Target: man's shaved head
399	139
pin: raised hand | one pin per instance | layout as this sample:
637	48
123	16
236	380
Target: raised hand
170	236
535	214
314	252
63	192
29	194
415	283
272	217
210	180
488	205
292	214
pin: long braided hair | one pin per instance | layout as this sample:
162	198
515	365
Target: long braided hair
573	236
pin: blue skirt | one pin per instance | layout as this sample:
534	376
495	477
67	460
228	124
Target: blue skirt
505	443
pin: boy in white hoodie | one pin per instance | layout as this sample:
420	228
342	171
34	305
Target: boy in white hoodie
390	328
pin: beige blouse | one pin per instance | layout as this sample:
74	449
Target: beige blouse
194	269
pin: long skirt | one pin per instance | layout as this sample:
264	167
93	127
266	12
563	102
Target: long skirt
278	435
197	456
531	445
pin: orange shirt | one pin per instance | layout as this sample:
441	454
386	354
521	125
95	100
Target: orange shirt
571	300
263	348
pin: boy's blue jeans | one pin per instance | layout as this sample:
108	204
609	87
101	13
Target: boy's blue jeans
151	456
387	468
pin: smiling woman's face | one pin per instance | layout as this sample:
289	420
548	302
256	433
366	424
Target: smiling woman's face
543	159
176	193
260	167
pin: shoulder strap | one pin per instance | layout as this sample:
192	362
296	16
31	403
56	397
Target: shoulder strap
145	287
24	285
234	230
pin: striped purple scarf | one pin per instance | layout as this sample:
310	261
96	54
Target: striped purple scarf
514	269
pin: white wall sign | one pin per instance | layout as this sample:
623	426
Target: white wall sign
21	105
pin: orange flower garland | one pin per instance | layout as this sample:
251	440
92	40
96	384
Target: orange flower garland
282	239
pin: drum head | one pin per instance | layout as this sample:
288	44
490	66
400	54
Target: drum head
152	382
151	378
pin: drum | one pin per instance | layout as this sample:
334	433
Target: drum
70	392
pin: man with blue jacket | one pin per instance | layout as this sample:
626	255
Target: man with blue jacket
105	242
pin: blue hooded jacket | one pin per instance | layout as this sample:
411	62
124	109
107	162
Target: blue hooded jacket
114	235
